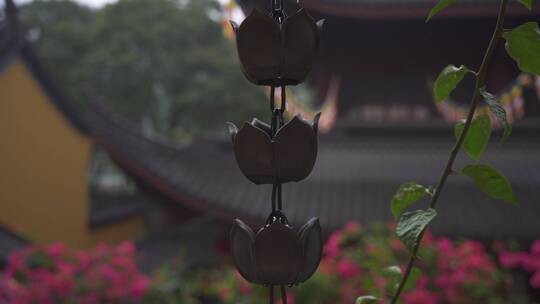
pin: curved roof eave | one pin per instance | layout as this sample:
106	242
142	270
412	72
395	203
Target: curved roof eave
394	9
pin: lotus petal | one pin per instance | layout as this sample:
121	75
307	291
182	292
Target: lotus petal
234	26
233	130
311	239
300	38
316	122
277	253
320	25
258	41
295	150
253	151
241	242
262	125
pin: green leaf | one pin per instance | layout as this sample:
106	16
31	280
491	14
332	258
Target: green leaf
523	45
496	108
477	137
447	81
366	300
393	276
392	271
527	3
492	182
412	224
407	195
413	277
442	5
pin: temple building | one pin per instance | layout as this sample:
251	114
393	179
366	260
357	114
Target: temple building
386	58
379	60
47	155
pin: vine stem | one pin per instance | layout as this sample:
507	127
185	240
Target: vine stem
480	82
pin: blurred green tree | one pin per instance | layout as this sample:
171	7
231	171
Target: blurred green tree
162	63
59	32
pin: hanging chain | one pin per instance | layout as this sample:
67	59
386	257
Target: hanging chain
277	122
278	14
277	113
283	294
277	11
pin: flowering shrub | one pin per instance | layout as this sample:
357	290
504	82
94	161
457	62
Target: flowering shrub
528	261
56	274
356	261
176	282
359	262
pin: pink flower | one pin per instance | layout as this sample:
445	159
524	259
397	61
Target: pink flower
511	259
139	287
89	298
123	263
459	276
371	248
348	292
419	296
99	275
428	238
530	263
244	288
243	285
471	247
422	282
352	226
109	273
84	259
290	299
535	248
224	294
65	268
55	250
380	282
535	280
332	246
443	263
16	263
445	245
102	249
397	245
347	268
326	266
443	281
63	286
222	247
479	262
126	248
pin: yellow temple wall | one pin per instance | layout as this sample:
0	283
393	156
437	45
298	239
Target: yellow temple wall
44	163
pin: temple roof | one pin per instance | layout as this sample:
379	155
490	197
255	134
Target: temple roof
354	179
388	9
10	40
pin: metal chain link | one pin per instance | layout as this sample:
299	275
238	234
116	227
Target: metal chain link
277	11
277	122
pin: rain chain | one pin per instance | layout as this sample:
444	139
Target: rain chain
276	51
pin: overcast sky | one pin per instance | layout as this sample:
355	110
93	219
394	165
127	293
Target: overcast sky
95	3
237	14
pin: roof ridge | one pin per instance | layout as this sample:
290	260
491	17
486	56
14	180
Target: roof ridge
10	34
101	111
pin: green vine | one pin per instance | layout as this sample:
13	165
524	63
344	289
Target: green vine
472	135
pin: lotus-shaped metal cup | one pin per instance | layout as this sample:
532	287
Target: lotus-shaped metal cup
277	54
276	255
289	156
